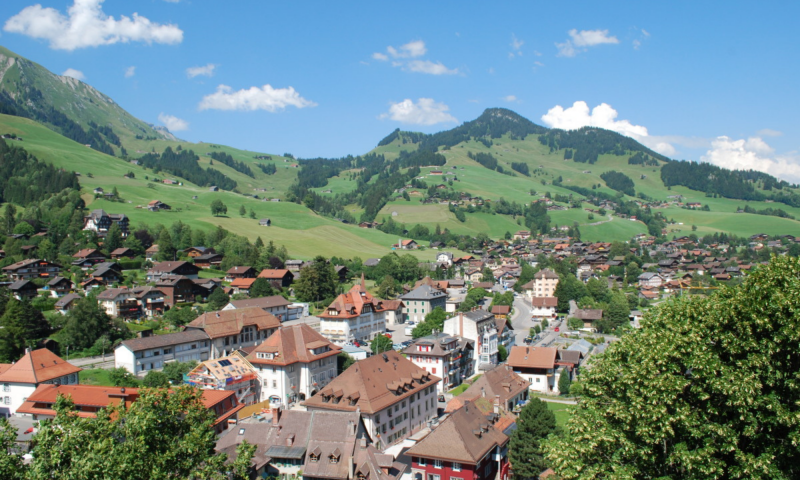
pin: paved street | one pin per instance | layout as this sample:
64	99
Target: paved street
94	362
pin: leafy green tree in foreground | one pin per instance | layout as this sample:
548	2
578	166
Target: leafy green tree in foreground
707	388
162	435
534	424
380	344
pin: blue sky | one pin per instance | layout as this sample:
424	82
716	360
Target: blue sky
710	82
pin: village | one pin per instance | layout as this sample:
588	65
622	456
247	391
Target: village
425	383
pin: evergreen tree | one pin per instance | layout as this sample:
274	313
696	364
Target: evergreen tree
166	249
217	300
525	452
22	325
564	382
113	239
242	211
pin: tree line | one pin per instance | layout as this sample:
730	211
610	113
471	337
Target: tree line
184	163
25	180
228	160
619	181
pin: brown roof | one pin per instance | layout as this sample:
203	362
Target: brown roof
465	436
38	366
243	282
373	384
543	302
88	252
501	309
292	344
168	267
589	314
261	302
239	269
273	274
223	323
532	357
351	304
501	381
546	273
570	356
156	341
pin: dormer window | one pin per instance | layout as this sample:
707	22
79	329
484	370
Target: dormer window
314	458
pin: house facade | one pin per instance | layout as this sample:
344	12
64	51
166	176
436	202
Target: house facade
99	221
421	301
443	355
181	268
480	327
293	364
36	367
275	304
395	397
545	283
537	365
353	316
140	355
32	268
544	307
230	330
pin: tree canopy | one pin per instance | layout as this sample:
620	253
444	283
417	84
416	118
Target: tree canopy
707	388
525	452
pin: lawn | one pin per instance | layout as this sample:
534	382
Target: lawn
95	376
561	411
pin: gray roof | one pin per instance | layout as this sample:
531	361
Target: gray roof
67	299
582	346
156	341
20	284
424	292
261	302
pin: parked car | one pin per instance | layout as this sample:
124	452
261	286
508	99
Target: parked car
555	329
528	340
387	335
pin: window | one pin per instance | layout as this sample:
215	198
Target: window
438	464
6	387
434	477
456	468
421	461
274	384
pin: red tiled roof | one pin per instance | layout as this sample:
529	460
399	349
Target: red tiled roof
223	323
38	366
532	357
243	282
542	302
293	344
273	274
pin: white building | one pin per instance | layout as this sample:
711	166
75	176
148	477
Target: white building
395	397
544	307
538	366
353	316
140	355
446	356
421	301
480	327
37	367
230	330
294	364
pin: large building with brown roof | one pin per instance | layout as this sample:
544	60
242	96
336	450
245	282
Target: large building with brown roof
180	267
231	330
275	304
90	399
500	385
537	365
468	444
395	397
354	316
32	268
35	368
293	364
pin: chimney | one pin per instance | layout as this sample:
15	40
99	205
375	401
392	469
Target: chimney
497	404
276	415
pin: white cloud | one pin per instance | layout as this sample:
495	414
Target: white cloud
254	98
637	44
603	116
426	66
380	56
645	33
580	41
510	98
130	71
173	124
752	154
76	74
409	50
205	71
768	132
538	64
425	112
85	25
516	43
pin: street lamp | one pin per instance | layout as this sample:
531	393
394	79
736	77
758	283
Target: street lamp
68	353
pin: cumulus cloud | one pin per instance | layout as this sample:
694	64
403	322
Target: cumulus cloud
205	71
580	41
130	71
752	154
603	116
86	25
76	74
407	57
425	112
173	124
254	98
426	66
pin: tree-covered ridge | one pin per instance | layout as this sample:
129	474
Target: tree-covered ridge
25	180
619	182
736	184
228	160
30	104
184	164
588	143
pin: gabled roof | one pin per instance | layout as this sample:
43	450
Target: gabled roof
352	303
373	384
465	436
292	344
261	302
22	285
223	323
169	267
532	357
38	366
544	302
243	282
589	314
274	274
424	292
546	274
158	341
239	270
67	299
501	381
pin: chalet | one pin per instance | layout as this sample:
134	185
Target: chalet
589	317
32	268
177	289
181	268
65	303
59	286
501	311
406	245
107	273
119	302
277	277
194	252
121	253
341	272
208	260
242	285
537	365
500	385
151	253
265	222
650	280
100	222
293	265
240	272
544	307
448	356
23	289
87	257
156	205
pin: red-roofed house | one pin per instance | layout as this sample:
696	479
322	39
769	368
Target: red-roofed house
355	315
231	330
35	368
544	307
294	363
242	285
89	399
536	365
280	277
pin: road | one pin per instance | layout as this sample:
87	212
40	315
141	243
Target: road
94	362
